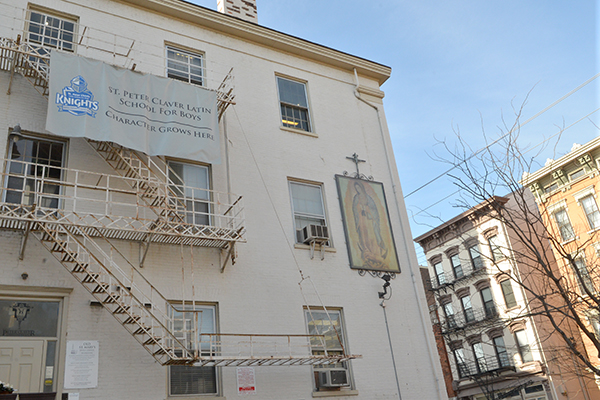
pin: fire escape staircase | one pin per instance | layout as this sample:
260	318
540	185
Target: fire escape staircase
81	243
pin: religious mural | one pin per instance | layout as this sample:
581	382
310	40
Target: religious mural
367	225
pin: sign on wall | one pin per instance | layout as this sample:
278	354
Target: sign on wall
81	364
152	114
246	382
367	225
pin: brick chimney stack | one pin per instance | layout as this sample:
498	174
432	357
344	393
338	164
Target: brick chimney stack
244	9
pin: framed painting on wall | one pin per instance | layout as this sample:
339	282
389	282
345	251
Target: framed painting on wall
367	226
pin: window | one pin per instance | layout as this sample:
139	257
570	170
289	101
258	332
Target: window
439	273
480	360
329	324
551	188
564	225
523	346
591	211
192	191
507	292
34	171
475	255
294	104
184	380
185	66
577	174
51	31
450	320
456	267
501	353
467	309
461	365
494	242
307	206
488	302
583	276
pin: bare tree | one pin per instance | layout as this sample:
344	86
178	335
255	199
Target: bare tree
562	301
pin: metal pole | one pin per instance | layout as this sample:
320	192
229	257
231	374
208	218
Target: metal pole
391	349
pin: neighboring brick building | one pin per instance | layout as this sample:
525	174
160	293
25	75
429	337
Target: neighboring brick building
130	270
484	315
565	191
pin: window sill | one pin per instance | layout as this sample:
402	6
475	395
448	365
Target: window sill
517	307
317	247
335	393
299	131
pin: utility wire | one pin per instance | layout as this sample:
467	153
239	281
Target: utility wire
506	134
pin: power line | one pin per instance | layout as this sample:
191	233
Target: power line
506	134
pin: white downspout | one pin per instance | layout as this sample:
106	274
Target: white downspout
425	324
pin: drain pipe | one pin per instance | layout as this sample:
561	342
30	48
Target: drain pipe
425	324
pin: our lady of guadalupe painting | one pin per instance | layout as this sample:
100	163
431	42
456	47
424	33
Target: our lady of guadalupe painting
367	225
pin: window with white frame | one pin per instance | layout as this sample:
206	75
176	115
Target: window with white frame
461	364
475	256
456	267
577	174
307	206
33	172
495	248
523	345
591	211
185	66
488	303
501	353
467	308
50	30
294	104
191	324
564	225
582	275
439	273
450	319
480	360
192	191
509	295
330	324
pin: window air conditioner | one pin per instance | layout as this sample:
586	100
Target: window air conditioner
314	233
333	378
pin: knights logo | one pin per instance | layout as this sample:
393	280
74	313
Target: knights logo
20	311
77	99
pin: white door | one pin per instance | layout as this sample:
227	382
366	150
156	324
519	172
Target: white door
21	364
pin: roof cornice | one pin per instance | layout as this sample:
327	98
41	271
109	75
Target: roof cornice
237	27
564	160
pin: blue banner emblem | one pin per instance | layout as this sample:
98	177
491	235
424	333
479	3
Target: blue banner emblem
77	99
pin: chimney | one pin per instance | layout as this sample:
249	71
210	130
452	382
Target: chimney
244	9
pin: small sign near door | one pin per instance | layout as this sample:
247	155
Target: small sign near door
81	364
245	380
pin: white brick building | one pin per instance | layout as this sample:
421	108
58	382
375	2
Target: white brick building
91	230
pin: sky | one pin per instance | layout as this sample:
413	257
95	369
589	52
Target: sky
461	66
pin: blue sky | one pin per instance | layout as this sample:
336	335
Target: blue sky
462	65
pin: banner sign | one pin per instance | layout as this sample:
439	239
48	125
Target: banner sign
144	112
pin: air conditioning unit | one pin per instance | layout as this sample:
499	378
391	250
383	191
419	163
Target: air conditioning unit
333	378
313	233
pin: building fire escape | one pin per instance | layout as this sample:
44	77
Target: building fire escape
76	217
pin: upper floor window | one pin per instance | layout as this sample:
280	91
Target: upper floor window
577	174
185	66
479	357
456	267
294	104
583	276
192	191
449	312
494	242
439	273
475	255
488	302
551	188
185	380
51	30
509	295
523	346
591	211
461	365
307	206
564	225
34	171
331	325
467	308
501	353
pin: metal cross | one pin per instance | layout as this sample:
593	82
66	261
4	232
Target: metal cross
356	161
